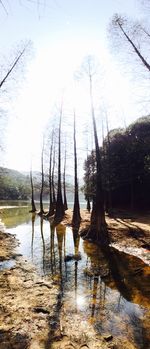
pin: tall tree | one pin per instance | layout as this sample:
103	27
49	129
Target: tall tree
98	229
42	180
53	180
128	32
87	196
33	207
14	64
51	206
64	183
7	72
76	219
59	213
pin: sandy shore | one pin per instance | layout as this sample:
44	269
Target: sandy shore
128	232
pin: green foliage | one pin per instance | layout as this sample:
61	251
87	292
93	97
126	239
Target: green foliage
89	176
13	185
125	166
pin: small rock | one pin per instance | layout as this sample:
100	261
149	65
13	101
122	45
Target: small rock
108	337
40	310
71	257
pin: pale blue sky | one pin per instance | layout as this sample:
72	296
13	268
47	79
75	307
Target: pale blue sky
60	19
63	32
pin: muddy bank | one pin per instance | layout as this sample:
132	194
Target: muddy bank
29	303
30	310
129	233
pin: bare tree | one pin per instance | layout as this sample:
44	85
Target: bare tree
76	219
64	182
130	32
33	207
98	229
42	180
53	179
59	213
51	206
39	4
14	64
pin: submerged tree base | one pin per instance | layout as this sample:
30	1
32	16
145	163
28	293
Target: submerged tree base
41	213
76	220
49	214
99	236
32	211
58	219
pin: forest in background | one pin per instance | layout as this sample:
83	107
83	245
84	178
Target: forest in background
15	185
125	156
125	171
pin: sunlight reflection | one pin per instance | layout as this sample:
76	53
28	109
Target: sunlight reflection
80	301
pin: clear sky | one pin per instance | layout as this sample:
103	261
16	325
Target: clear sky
63	32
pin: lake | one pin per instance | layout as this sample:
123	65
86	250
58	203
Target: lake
106	293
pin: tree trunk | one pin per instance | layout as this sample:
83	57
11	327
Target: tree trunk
98	229
43	241
32	240
59	213
33	209
64	184
88	207
76	219
51	206
146	64
13	65
53	181
42	183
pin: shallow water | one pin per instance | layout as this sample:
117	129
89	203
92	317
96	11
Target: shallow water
109	291
8	264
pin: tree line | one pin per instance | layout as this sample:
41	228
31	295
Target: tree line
125	158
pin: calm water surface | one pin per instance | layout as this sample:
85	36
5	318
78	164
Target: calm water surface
110	291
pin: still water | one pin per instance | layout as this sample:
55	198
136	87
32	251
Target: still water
109	291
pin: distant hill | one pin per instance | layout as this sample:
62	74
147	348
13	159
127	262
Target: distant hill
4	172
15	185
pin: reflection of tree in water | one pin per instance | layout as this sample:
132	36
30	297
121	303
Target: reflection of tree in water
126	273
95	286
52	250
60	234
43	241
116	270
32	241
42	238
12	217
76	240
